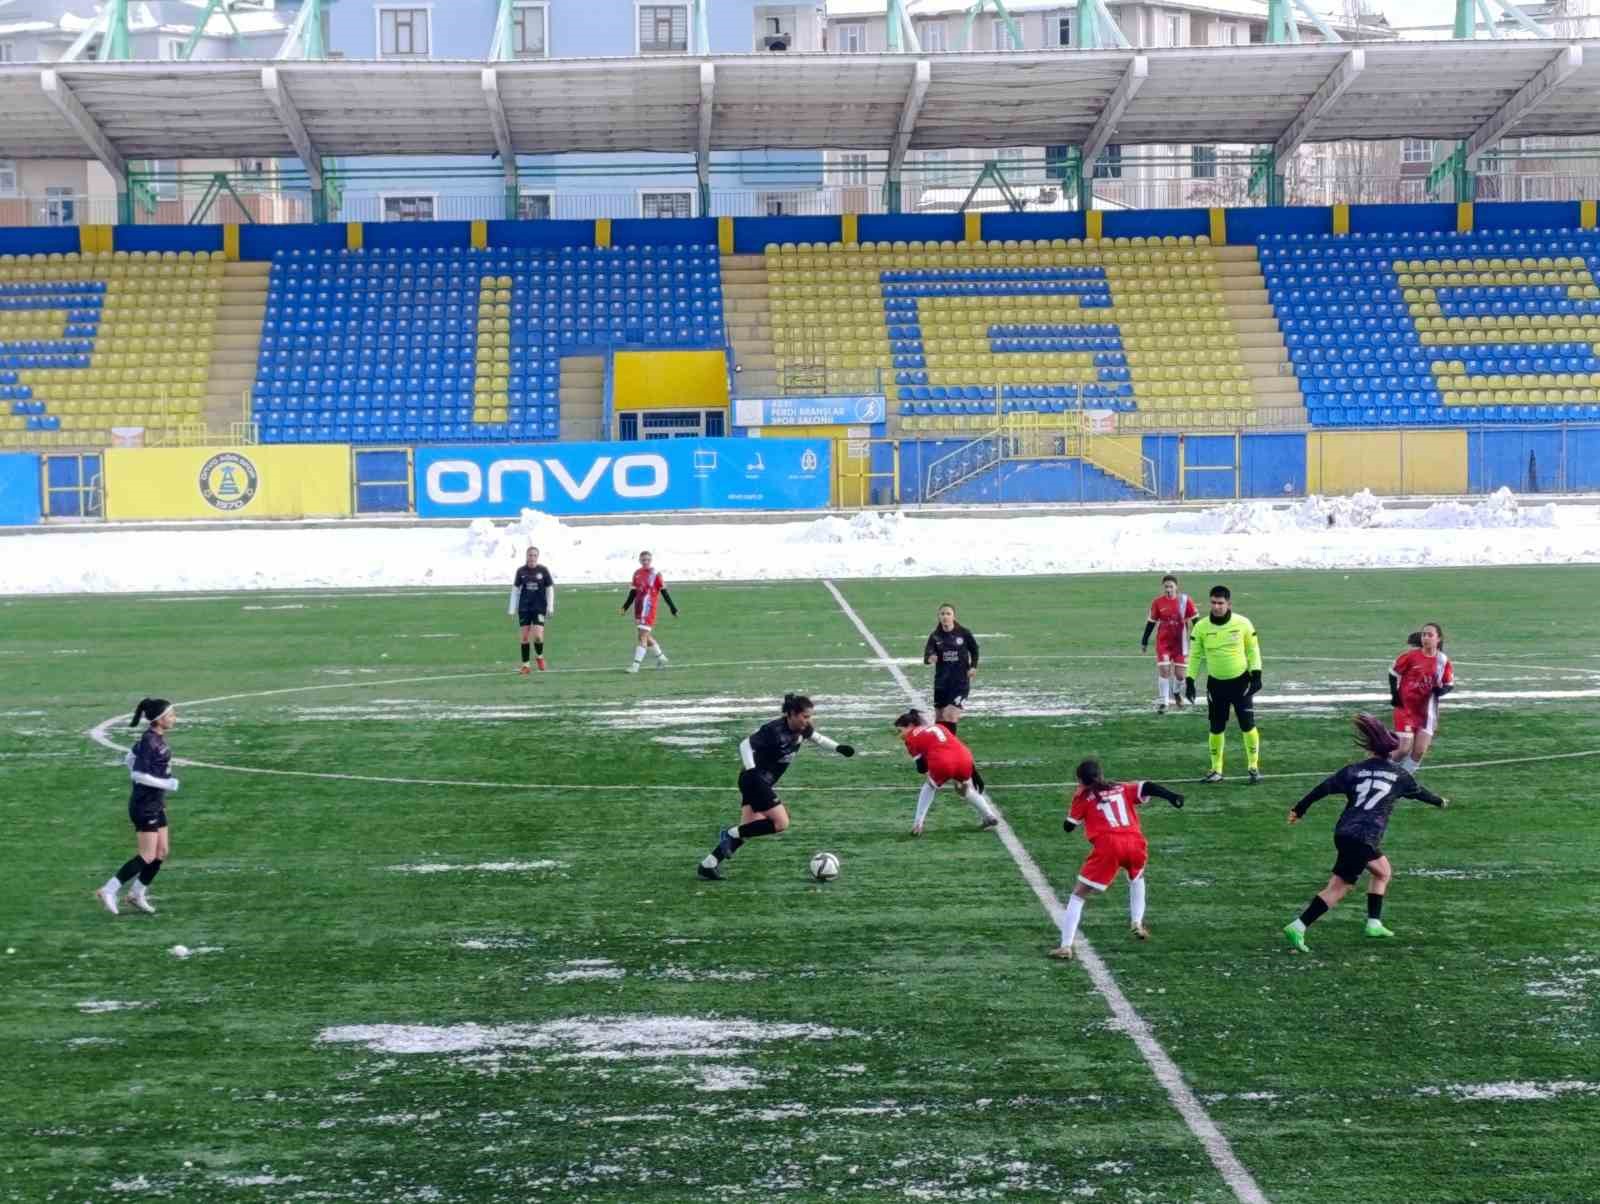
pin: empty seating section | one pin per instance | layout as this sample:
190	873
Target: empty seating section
1409	329
449	344
93	342
960	333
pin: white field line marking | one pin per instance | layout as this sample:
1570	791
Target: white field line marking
1161	1064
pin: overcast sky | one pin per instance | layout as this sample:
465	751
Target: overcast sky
1419	12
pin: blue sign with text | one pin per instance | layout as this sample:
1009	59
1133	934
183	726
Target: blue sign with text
865	409
501	481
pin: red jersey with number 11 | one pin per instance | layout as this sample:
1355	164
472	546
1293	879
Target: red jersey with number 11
1112	812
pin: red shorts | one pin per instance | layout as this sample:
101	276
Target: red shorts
1422	718
1170	648
949	765
1109	854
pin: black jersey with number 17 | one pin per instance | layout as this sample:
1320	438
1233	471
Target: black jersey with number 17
1371	789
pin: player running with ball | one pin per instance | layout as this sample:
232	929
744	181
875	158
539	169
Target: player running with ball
1109	814
1371	788
766	754
943	758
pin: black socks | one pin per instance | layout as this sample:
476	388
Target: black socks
148	874
1374	906
538	648
1314	911
524	654
133	866
757	827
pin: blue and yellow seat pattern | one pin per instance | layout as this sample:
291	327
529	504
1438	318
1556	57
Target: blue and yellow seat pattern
93	342
957	333
456	344
1415	329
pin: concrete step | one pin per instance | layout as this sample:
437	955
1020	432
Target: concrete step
1264	355
1245	254
1233	269
1234	295
745	262
1270	337
742	292
1254	317
756	362
744	275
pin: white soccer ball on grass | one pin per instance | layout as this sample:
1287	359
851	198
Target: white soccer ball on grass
825	867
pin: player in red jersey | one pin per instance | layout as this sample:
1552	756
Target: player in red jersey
1109	813
943	758
1420	676
1170	616
645	594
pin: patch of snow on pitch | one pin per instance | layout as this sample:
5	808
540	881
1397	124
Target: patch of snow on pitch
183	951
728	1078
488	867
582	970
260	1180
1515	1090
137	1183
94	1006
598	1037
79	1041
288	606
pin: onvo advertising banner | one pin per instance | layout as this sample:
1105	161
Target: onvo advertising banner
500	481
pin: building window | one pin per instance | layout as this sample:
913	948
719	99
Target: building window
677	203
8	52
1203	162
1230	35
1416	150
408	208
852	37
1057	29
529	30
8	177
60	207
165	183
403	33
663	29
172	49
1011	165
937	171
535	206
1174	30
931	36
1109	165
853	169
1002	36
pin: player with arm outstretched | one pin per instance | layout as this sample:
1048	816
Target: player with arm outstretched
1371	788
1224	647
645	594
533	600
1418	679
942	757
765	755
1170	616
150	770
1109	815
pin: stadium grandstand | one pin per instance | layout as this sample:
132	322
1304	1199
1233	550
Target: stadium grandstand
921	236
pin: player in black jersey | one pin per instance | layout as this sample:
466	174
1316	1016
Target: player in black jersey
952	650
533	600
1371	789
149	766
766	754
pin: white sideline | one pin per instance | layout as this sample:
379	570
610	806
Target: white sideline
1160	1062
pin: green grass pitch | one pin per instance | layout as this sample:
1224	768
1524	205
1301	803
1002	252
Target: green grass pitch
577	1017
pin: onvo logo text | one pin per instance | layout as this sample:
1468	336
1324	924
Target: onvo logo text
462	482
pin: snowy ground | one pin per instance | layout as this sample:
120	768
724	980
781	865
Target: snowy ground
1353	532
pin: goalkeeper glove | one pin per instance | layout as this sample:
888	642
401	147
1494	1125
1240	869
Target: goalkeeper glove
1188	688
847	750
1255	681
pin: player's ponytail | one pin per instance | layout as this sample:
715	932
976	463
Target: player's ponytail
912	718
1414	640
1374	737
1091	776
795	704
149	708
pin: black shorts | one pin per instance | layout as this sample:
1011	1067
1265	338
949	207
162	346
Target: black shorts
756	792
530	618
950	693
1352	858
147	817
1223	693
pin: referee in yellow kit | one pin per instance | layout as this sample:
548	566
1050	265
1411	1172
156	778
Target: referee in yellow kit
1224	645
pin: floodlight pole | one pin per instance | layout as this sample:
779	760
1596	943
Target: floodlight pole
114	46
901	35
1094	28
1473	16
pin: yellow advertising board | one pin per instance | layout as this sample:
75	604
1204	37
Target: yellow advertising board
228	482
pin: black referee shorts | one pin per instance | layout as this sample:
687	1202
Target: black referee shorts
1225	692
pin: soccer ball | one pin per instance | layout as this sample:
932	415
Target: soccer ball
825	867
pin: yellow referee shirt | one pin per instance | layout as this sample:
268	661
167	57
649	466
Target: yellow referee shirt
1224	650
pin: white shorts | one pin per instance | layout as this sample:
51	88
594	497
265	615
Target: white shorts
647	628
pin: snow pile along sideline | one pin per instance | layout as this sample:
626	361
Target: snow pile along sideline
1313	533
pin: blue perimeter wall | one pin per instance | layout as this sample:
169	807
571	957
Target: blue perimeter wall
1269	466
752	234
19	490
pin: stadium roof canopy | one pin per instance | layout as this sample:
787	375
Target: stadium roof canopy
1474	90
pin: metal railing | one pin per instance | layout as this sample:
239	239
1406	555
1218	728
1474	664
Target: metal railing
820	381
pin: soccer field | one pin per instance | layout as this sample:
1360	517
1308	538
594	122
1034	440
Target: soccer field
446	943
